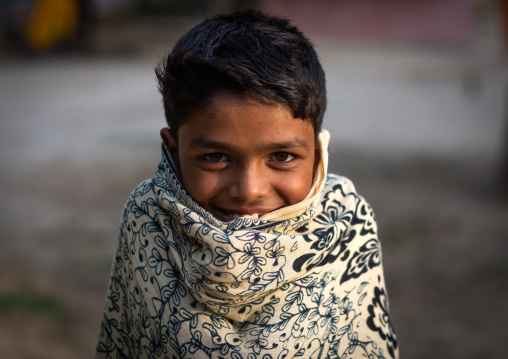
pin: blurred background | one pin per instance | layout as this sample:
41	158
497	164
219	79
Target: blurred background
418	114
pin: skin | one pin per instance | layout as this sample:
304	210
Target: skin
240	157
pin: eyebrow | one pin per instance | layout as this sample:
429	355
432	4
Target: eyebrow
273	146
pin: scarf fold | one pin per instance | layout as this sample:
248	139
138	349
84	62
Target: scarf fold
303	281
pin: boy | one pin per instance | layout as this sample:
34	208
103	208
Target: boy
241	245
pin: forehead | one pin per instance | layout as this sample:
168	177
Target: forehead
243	120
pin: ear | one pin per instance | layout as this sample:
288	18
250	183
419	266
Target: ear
172	146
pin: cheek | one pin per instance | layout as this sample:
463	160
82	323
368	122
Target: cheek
200	185
296	186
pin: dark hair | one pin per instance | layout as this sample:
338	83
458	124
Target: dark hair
248	53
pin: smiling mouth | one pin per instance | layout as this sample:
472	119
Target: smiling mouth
230	215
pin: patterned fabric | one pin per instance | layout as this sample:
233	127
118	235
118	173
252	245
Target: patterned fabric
186	285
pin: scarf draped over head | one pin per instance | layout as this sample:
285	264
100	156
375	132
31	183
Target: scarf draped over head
303	281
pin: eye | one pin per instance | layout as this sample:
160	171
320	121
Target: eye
215	157
282	157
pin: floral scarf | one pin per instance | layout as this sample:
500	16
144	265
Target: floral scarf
306	282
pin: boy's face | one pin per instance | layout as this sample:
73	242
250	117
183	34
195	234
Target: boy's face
240	157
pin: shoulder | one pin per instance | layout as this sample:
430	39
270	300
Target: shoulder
340	191
140	199
142	190
337	182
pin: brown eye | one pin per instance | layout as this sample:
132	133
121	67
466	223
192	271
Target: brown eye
282	157
215	157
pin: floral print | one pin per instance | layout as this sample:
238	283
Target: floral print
185	285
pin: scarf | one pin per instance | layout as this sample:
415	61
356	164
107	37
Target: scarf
303	281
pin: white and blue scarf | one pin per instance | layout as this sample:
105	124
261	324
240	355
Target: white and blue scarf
305	282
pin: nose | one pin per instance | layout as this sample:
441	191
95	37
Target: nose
249	183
